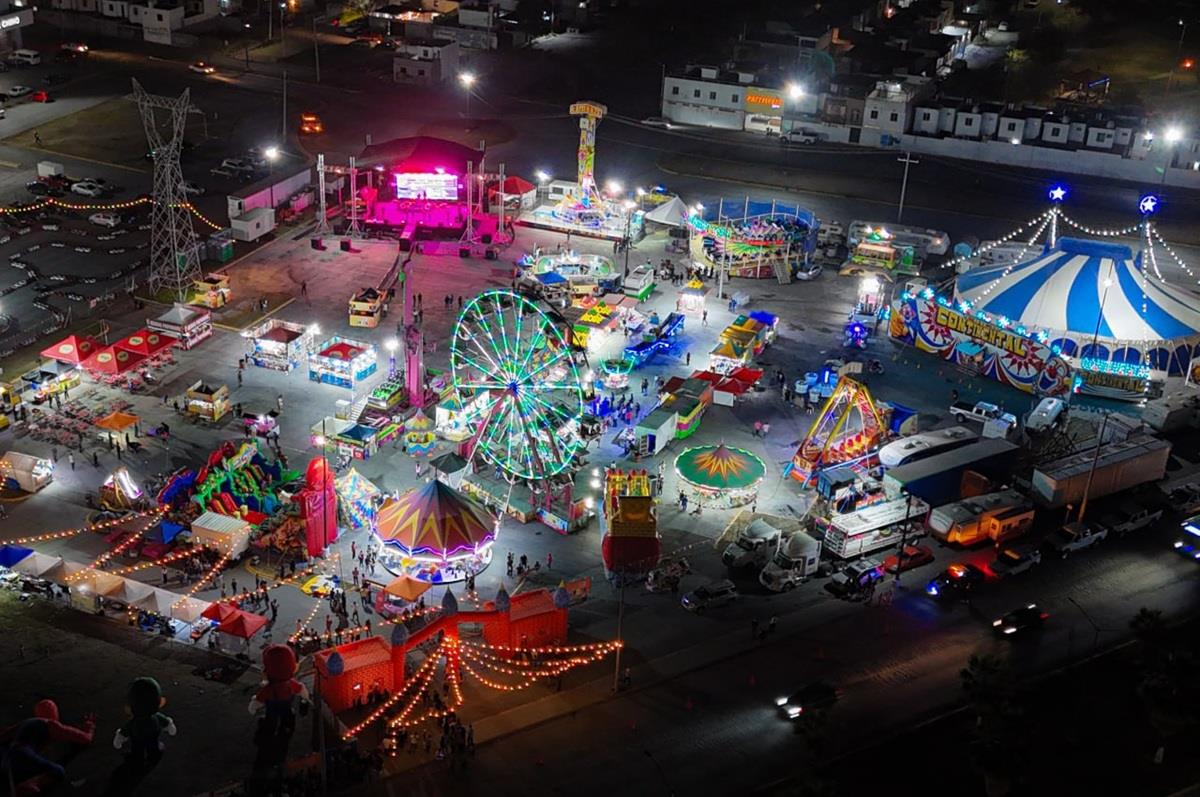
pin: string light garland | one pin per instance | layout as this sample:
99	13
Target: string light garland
126	205
1020	256
160	562
204	579
307	620
1101	233
998	242
63	534
1178	260
123	546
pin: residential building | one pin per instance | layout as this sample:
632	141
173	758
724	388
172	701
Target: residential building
888	109
425	61
158	21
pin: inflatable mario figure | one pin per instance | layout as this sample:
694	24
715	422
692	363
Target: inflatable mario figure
279	692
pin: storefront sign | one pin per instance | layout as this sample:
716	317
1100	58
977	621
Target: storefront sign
757	101
979	346
18	20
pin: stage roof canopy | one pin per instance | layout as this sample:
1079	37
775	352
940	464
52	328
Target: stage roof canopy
420	154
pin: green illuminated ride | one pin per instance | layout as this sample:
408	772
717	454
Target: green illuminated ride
529	424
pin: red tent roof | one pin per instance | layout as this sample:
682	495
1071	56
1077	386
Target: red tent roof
242	624
72	349
514	185
745	374
111	360
219	611
145	342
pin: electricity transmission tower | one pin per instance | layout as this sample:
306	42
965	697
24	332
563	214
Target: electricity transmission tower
174	250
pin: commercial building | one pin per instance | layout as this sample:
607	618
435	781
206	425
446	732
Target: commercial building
425	61
727	99
13	18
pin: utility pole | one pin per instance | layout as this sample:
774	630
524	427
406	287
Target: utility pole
316	50
1087	487
283	129
908	160
620	618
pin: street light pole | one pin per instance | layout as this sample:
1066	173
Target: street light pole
621	642
316	50
908	160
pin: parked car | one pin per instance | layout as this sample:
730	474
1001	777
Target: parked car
709	596
192	188
1018	620
810	697
202	68
91	190
1184	499
808	271
657	121
1130	517
40	96
1077	536
38	188
19	91
1014	560
1045	415
800	136
912	556
956	581
105	219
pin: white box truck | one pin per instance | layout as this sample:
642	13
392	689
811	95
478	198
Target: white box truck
795	561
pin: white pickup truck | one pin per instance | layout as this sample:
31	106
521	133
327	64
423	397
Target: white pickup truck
981	411
1075	536
1130	517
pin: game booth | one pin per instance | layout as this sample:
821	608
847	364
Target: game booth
630	545
188	325
434	533
387	395
419	438
120	492
719	476
454	418
342	362
211	291
586	275
279	345
693	298
225	534
51	378
206	401
366	308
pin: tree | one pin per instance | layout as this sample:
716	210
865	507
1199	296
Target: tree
1165	683
987	682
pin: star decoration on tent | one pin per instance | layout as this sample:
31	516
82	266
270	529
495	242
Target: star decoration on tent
1148	204
1058	193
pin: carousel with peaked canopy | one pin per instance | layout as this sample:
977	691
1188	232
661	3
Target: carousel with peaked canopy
434	533
720	476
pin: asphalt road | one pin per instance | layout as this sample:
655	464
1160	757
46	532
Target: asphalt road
715	730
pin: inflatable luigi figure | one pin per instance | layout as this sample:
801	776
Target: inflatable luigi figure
141	736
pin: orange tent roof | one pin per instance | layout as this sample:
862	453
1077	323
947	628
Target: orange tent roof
72	349
407	587
117	421
145	342
111	360
434	519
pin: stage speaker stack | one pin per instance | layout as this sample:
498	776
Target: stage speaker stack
487	238
464	252
318	244
345	244
490	254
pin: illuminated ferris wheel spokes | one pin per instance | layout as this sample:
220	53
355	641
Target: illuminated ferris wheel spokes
528	425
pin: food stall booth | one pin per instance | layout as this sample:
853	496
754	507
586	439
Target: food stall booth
51	378
324	430
211	291
279	345
205	401
366	308
692	299
342	362
387	395
229	536
190	325
453	419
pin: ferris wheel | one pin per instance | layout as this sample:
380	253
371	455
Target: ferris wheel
513	368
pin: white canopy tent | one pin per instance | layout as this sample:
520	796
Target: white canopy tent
673	213
37	564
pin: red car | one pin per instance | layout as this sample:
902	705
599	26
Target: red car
40	96
912	556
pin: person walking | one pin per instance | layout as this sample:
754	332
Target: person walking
279	402
239	378
704	318
766	428
304	289
71	459
549	560
754	628
771	624
758	428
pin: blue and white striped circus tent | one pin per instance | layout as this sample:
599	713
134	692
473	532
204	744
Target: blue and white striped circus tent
1080	291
